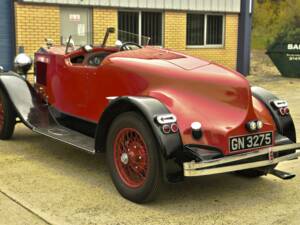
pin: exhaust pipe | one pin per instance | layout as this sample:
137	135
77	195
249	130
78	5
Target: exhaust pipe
281	174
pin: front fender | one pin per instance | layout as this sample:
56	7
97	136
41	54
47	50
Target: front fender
169	145
21	95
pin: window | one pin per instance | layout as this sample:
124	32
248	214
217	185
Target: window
195	29
76	22
147	24
205	30
214	30
152	27
128	22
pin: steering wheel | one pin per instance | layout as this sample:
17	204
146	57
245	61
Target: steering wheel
129	46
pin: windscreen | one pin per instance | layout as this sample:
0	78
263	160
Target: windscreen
116	38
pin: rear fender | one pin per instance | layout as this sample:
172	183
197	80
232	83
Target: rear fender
285	125
149	108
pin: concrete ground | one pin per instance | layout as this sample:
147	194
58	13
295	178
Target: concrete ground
45	182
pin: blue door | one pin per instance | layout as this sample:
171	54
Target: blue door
6	34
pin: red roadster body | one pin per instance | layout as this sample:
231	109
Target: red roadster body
157	114
191	88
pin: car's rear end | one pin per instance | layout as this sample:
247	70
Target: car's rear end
225	125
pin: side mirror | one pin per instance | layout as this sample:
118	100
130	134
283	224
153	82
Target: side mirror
111	30
22	64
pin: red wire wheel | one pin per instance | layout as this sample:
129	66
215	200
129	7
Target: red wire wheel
131	157
132	153
7	117
1	114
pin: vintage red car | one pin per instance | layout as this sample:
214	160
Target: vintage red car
158	114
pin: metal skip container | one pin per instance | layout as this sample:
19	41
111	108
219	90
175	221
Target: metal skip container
286	57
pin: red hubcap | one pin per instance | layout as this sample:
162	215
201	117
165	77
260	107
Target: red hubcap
1	114
131	157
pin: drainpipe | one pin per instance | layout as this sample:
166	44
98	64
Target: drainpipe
244	37
13	30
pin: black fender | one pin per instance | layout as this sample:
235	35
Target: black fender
169	145
19	93
28	105
285	125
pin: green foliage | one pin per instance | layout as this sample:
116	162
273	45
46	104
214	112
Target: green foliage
275	20
290	34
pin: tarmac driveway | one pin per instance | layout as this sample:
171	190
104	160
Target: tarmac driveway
45	182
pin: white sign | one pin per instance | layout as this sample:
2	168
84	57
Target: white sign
74	17
293	47
81	29
293	57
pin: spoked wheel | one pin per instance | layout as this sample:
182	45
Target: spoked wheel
133	158
7	117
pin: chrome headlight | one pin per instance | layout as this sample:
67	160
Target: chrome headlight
22	64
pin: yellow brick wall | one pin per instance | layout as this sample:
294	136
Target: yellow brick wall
34	23
175	38
102	19
175	30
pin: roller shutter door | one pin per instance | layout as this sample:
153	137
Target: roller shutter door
6	34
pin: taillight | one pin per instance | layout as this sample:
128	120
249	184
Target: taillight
284	111
174	127
167	122
166	129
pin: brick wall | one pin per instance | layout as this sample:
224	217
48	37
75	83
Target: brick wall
34	23
175	38
175	30
102	19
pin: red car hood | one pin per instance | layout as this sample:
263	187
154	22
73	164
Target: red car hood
196	90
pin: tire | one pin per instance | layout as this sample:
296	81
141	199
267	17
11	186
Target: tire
254	173
7	117
133	158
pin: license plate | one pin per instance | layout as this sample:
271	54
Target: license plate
252	141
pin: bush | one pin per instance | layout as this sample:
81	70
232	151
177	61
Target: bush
290	35
276	20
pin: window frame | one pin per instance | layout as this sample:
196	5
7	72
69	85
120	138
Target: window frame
140	22
205	31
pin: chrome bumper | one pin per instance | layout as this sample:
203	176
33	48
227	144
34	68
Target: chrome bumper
216	166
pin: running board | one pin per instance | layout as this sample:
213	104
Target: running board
68	136
38	116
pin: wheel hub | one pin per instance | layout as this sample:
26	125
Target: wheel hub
124	158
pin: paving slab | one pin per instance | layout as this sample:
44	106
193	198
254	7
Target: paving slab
12	213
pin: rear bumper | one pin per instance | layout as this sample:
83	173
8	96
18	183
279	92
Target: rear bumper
239	161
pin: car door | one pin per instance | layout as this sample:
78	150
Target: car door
97	85
71	86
